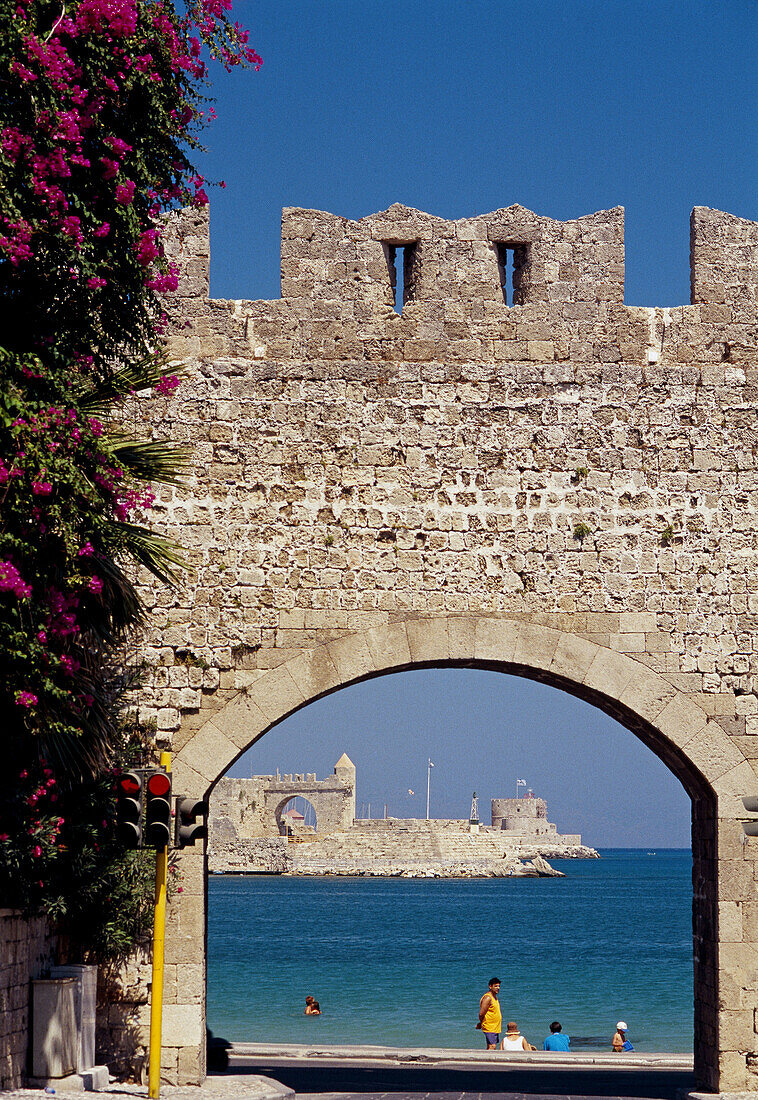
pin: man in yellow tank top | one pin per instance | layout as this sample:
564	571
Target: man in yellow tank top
490	1016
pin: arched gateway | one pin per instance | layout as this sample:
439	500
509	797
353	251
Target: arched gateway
563	489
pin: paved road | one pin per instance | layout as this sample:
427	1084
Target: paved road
335	1082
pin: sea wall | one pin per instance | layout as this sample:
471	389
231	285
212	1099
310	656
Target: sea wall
391	846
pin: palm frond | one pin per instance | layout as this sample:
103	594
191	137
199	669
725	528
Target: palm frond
101	395
153	552
152	460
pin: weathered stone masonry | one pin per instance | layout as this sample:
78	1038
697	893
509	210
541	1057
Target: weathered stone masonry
564	489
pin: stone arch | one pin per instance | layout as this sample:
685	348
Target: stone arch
675	725
284	802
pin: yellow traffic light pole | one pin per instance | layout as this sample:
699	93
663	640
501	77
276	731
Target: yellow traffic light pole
159	938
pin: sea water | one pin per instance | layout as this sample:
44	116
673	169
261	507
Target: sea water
403	962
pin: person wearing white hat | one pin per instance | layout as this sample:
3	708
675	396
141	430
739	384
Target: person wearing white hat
620	1041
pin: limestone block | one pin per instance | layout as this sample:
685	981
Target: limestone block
713	753
682	720
461	633
240	721
736	1030
388	646
730	921
648	695
573	657
183	1025
186	780
210	752
733	785
428	639
495	639
611	673
314	672
276	693
351	657
535	646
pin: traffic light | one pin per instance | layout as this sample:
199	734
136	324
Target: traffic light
188	828
129	809
156	831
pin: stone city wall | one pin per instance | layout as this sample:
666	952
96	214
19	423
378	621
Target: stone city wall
28	947
387	846
564	488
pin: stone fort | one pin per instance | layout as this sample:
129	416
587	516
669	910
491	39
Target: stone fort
250	830
543	482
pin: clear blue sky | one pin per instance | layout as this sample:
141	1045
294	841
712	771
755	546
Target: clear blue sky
460	108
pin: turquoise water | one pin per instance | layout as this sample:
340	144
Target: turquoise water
403	962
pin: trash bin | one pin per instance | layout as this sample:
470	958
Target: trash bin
55	1036
85	1004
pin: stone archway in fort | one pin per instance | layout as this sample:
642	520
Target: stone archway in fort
564	488
675	728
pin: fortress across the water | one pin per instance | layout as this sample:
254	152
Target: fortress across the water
255	829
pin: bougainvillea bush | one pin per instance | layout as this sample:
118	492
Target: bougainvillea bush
101	105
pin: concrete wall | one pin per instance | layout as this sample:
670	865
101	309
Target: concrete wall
27	947
563	489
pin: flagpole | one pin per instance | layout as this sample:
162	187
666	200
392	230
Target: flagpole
429	766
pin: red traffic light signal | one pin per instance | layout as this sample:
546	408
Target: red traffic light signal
157	827
129	809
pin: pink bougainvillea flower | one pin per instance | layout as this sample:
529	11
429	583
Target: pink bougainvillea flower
125	192
42	488
95	584
26	699
11	580
167	385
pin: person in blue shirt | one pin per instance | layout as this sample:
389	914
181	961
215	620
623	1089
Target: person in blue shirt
556	1040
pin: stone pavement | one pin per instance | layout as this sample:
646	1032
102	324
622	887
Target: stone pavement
231	1086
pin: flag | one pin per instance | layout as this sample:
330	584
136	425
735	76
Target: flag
520	782
410	791
431	765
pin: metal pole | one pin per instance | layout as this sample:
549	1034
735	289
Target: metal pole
429	766
159	938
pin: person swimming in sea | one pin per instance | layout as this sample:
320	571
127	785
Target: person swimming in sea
312	1007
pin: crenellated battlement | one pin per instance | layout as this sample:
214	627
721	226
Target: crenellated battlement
545	263
328	257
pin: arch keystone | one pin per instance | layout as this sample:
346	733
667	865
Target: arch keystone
388	645
495	639
461	630
428	639
534	646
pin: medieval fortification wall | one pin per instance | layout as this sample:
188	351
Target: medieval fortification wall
250	833
563	487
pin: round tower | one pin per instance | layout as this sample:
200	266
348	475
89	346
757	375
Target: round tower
344	771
